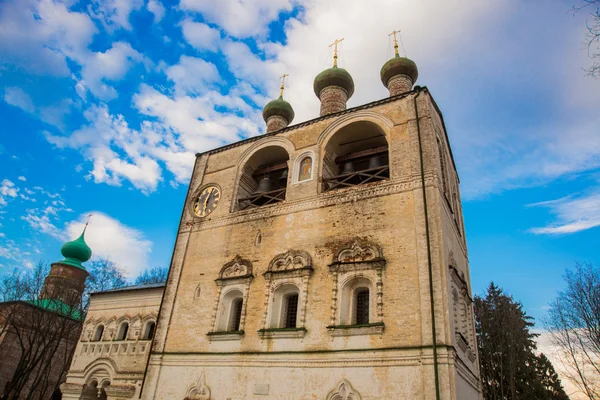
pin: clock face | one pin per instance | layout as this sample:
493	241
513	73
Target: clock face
207	201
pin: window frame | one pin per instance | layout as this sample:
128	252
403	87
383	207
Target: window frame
298	161
122	331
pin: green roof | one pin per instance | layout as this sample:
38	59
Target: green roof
58	307
334	76
398	66
76	252
279	107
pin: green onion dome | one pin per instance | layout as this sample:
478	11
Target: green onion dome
76	252
279	107
334	77
399	66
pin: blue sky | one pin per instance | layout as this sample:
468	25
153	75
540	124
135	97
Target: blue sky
104	103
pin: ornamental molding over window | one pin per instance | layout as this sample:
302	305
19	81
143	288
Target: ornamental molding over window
235	277
462	311
289	270
357	260
198	391
291	263
358	254
238	268
344	391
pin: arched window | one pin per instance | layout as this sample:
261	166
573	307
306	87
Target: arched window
123	329
455	310
98	334
356	154
284	312
361	307
264	178
230	311
149	330
356	302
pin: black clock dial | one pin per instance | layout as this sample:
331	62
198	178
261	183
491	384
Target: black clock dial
207	201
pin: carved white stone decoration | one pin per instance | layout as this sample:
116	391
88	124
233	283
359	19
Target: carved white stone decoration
359	251
290	260
358	258
292	268
236	274
344	391
199	391
237	268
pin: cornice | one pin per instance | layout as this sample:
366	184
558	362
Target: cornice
316	202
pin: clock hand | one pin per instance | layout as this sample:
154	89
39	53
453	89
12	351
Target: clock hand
206	200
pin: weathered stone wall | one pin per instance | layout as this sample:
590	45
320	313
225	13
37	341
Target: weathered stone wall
11	348
392	363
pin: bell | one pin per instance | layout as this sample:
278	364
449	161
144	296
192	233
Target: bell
283	177
264	185
376	162
348	168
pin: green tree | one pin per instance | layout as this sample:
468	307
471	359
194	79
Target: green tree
509	367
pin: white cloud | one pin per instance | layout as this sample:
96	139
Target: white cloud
109	238
17	97
240	18
116	151
572	214
102	67
200	35
156	8
7	189
114	14
192	75
39	35
22	178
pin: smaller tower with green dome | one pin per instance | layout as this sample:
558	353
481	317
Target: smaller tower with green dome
334	86
66	280
399	74
278	113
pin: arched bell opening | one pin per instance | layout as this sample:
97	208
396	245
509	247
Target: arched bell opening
264	178
357	154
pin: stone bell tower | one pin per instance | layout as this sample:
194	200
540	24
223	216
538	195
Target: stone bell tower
66	280
323	260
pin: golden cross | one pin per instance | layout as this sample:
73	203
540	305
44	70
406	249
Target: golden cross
335	51
395	41
282	84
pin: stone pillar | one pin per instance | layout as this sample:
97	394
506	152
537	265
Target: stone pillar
399	84
333	99
275	123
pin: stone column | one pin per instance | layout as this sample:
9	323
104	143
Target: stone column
333	99
275	123
399	84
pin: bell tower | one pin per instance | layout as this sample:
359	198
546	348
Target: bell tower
333	262
66	280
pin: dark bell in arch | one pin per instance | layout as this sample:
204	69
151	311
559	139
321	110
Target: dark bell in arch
348	168
283	177
376	162
265	185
